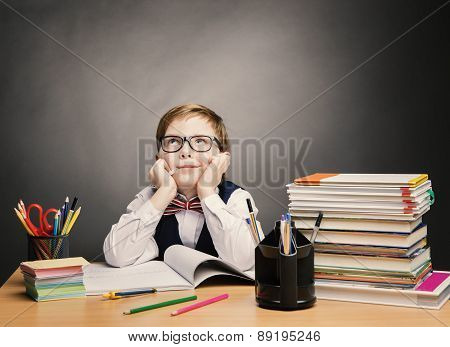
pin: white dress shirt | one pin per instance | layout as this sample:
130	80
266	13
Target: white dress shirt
131	240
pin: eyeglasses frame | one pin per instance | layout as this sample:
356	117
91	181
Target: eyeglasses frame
188	139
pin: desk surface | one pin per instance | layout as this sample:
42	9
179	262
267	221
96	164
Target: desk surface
240	309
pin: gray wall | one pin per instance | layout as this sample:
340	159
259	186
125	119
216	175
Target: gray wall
74	105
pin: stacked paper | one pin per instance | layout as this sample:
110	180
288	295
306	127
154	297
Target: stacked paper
54	279
372	239
372	232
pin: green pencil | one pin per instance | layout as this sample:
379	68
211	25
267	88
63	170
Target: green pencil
162	304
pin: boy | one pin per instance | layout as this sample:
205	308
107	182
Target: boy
189	202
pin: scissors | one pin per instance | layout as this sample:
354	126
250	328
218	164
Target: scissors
44	228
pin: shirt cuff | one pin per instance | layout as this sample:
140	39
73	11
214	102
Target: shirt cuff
147	212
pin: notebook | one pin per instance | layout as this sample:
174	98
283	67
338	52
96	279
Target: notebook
369	250
360	215
368	238
375	180
376	278
360	207
432	293
183	268
54	267
355	191
407	264
359	224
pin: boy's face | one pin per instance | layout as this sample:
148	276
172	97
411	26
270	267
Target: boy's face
189	164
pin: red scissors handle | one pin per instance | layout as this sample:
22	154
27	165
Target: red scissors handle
35	229
44	228
48	227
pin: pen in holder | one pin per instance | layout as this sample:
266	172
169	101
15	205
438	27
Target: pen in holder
284	281
48	247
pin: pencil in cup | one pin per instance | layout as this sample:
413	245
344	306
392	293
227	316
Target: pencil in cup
71	217
66	230
44	247
39	251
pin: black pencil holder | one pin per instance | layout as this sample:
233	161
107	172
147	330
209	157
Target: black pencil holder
48	247
284	282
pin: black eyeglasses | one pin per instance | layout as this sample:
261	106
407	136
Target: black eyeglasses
199	143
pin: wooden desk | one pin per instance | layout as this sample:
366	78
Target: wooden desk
17	309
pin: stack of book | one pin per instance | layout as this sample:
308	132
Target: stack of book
372	235
54	279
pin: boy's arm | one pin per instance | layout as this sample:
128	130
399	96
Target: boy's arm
228	228
130	241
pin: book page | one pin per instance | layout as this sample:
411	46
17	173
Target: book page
213	268
101	278
191	264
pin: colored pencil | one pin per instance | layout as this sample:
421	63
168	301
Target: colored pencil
161	304
45	253
22	212
55	225
73	220
120	295
199	304
23	207
22	220
67	223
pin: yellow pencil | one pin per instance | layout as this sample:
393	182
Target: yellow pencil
42	252
73	220
22	212
67	223
19	215
23	208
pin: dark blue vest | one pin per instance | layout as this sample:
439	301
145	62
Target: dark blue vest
167	233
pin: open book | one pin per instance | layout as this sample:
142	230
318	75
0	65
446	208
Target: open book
183	268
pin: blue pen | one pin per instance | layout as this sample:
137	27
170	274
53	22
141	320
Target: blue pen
288	216
56	224
61	220
66	209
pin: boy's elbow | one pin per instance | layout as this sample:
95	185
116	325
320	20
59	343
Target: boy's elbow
124	256
246	262
112	257
114	261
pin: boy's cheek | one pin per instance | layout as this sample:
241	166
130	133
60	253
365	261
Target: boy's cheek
204	159
171	160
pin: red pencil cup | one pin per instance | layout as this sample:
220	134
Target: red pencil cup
48	247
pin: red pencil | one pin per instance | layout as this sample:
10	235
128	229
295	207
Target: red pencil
199	304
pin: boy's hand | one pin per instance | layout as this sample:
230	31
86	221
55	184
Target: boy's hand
161	177
213	175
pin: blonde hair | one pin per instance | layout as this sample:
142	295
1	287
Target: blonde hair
190	110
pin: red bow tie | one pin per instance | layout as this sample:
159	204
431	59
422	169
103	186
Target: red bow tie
177	205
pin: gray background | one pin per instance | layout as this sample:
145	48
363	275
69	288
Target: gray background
70	125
